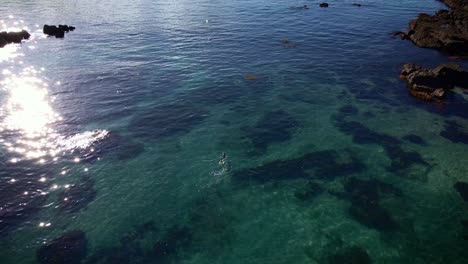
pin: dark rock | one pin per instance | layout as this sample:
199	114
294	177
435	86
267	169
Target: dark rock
365	197
22	195
446	31
464	229
401	35
77	196
130	249
415	140
363	135
323	5
462	189
58	32
455	4
326	164
276	126
112	144
351	255
70	248
64	28
454	132
428	84
176	238
310	191
13	37
349	109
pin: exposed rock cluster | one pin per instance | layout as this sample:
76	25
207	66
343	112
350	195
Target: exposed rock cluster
428	84
13	37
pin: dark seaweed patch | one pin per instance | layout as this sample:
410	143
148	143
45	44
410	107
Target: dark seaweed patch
464	224
309	191
365	196
351	255
462	189
77	196
129	250
70	248
276	126
167	120
327	164
22	195
349	110
403	159
415	139
175	239
454	132
113	144
361	134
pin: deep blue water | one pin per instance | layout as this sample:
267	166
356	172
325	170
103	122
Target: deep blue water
192	132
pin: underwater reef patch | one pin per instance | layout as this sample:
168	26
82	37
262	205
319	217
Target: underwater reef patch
309	191
462	189
273	127
365	197
400	159
454	132
70	248
350	255
325	164
415	139
22	194
77	196
129	249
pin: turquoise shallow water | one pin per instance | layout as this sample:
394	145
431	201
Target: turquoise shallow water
140	130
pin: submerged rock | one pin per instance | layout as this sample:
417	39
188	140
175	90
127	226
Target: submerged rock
427	84
446	31
415	139
77	196
325	164
454	132
22	194
176	238
310	191
351	255
58	32
69	248
273	127
462	189
365	208
13	37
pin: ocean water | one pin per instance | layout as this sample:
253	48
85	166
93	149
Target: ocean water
192	132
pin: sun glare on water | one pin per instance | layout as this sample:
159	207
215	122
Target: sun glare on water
28	115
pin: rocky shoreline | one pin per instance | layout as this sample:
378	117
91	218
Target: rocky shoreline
446	30
431	84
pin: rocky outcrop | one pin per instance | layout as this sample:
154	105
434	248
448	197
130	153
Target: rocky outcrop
446	30
13	37
57	31
70	248
429	84
455	4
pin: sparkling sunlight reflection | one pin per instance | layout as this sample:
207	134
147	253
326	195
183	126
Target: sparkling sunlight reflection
28	115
